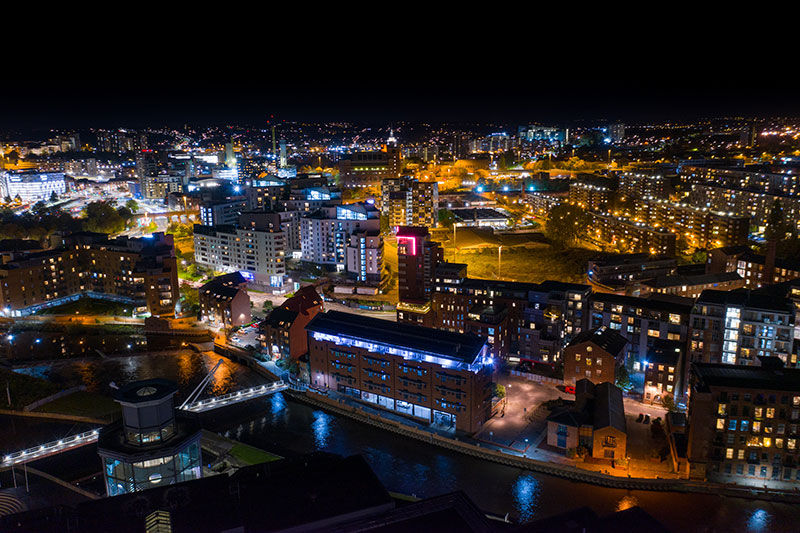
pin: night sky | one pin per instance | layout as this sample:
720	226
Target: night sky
28	105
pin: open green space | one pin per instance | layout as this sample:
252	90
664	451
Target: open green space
250	455
82	403
23	389
532	264
90	307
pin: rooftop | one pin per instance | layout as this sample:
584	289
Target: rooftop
459	347
606	338
756	378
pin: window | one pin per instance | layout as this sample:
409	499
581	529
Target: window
729	453
745	425
722	409
720	423
732	424
740	455
770	412
577	357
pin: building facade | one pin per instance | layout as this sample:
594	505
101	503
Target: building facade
431	376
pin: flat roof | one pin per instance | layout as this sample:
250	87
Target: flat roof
461	347
747	377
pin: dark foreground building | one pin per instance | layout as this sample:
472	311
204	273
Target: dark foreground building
316	492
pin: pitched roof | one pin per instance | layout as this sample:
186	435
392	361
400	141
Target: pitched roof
304	299
606	338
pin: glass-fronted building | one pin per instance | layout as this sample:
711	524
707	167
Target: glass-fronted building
152	445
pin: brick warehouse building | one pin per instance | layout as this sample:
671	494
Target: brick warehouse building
429	375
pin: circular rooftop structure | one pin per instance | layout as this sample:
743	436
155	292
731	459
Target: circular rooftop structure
146	391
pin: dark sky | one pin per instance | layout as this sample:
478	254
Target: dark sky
30	105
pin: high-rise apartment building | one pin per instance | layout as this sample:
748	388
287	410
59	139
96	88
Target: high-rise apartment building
256	247
410	202
417	260
325	233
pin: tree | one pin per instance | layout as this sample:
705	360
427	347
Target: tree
668	402
53	197
446	218
133	205
623	379
101	217
499	390
776	223
566	224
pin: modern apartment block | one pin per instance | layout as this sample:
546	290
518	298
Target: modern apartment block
642	321
641	184
256	248
325	233
616	273
631	236
365	256
739	327
700	226
542	317
140	272
429	375
755	204
410	202
755	269
417	260
744	424
222	212
589	197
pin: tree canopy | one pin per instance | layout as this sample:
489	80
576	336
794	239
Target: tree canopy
101	217
566	224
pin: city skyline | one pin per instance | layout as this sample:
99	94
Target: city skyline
118	103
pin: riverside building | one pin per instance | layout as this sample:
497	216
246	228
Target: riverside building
429	375
139	272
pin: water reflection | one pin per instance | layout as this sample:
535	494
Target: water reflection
321	428
627	502
277	405
526	496
759	521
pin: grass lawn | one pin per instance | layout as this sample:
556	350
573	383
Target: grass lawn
90	307
532	264
250	455
83	403
23	389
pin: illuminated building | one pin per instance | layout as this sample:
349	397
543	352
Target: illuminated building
417	260
224	301
589	197
410	202
631	236
743	424
256	248
690	286
325	233
616	132
32	186
595	420
595	355
140	272
365	256
283	333
701	227
369	169
618	272
429	375
664	371
641	183
641	320
479	217
264	192
152	445
737	327
222	212
755	269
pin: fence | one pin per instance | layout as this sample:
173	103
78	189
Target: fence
56	396
537	377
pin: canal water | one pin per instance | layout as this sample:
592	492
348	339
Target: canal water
288	427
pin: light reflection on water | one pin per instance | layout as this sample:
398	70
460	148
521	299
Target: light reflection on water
627	502
526	496
759	521
321	428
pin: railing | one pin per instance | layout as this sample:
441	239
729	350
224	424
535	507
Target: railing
235	397
50	448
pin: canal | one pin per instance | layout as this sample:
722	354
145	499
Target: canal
288	427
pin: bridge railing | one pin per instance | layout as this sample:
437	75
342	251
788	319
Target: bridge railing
29	454
237	396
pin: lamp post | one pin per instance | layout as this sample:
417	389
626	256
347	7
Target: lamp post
499	257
